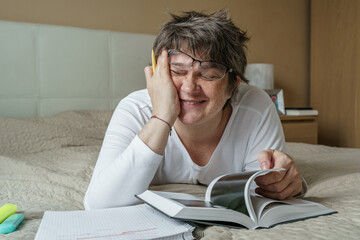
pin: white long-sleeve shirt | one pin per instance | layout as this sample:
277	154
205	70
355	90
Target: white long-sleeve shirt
127	166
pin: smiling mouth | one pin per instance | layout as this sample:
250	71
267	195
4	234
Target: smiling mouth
192	102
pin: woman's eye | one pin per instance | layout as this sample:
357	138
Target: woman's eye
211	78
178	72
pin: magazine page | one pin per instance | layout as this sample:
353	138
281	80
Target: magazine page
191	208
261	203
185	199
250	190
228	191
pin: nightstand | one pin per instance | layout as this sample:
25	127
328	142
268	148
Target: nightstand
300	128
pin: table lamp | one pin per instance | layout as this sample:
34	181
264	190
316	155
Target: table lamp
260	75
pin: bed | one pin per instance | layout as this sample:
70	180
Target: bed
47	162
50	140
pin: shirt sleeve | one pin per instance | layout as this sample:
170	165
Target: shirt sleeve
126	165
267	135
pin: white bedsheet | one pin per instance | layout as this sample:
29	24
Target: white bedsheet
46	164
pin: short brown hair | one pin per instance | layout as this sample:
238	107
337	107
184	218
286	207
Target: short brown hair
215	35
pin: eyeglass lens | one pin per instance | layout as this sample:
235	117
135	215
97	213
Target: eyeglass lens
180	63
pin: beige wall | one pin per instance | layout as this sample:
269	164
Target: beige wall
335	72
279	29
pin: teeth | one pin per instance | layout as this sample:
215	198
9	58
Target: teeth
191	102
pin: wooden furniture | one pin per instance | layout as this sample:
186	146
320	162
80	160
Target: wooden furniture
300	128
335	71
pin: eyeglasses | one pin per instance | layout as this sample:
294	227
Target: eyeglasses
180	63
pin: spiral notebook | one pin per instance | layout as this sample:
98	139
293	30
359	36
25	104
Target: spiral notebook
133	222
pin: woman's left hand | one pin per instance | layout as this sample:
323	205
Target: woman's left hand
278	184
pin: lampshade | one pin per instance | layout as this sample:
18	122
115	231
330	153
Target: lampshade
260	75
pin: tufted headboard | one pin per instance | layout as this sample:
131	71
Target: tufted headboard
47	69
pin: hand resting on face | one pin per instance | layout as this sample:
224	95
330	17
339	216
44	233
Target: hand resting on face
163	94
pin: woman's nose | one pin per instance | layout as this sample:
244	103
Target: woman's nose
191	80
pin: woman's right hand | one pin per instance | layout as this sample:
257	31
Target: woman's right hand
162	91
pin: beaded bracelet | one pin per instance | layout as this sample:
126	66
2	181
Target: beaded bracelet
154	116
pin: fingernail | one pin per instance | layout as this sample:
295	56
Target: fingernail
264	165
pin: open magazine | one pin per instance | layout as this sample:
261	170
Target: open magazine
230	200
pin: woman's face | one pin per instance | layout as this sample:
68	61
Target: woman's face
201	97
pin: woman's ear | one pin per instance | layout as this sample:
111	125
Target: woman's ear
238	81
236	84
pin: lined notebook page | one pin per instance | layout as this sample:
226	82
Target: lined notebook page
133	222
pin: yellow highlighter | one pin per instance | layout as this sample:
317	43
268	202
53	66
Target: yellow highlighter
6	210
153	60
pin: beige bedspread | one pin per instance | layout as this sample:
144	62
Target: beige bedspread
46	164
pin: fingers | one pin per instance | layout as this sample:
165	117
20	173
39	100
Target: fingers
273	159
281	160
275	181
279	184
148	73
270	178
264	158
162	61
162	91
289	191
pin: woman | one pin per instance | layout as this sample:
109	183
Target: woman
197	119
